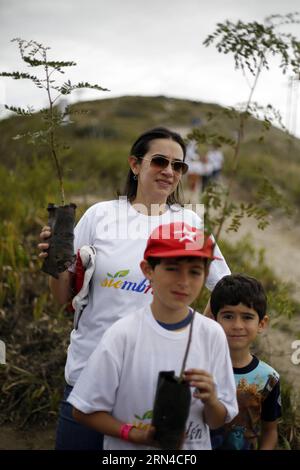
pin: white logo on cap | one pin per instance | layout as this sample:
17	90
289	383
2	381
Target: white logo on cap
187	235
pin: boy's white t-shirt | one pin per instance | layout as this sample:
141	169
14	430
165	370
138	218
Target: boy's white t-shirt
119	235
121	374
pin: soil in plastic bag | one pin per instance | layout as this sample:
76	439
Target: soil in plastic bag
171	410
61	255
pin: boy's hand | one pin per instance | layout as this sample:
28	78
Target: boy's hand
214	411
204	384
143	436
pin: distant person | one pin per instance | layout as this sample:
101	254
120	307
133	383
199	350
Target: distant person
194	172
62	106
117	231
115	392
239	305
197	170
196	122
215	159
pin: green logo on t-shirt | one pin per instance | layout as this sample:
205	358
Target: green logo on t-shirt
113	280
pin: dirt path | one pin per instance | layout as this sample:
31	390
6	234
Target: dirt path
281	241
33	438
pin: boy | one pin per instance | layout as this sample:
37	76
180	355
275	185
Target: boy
115	392
239	305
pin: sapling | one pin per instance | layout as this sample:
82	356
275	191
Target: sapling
61	217
252	46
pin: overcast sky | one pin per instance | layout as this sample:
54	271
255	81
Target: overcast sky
140	47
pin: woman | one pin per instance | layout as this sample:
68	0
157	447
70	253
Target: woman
118	231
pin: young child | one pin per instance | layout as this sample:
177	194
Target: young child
116	390
239	305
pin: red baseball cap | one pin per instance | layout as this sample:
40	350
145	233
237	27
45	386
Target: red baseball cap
179	239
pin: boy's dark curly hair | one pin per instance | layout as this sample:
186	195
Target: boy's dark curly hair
239	289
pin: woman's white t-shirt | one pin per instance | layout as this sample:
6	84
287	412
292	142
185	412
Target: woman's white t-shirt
118	287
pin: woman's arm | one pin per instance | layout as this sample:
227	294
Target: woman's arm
218	268
61	288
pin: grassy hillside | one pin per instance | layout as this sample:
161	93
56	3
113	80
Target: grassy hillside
100	142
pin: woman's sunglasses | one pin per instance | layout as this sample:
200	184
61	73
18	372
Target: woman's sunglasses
162	162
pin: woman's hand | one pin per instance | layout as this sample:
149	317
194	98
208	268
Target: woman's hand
61	288
44	235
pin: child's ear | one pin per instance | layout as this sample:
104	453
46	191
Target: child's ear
146	269
263	323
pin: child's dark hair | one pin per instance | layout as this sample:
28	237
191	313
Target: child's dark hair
153	261
239	289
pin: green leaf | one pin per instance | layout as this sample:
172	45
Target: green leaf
20	111
49	63
148	415
122	273
67	87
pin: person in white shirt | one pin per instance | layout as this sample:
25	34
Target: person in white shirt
215	159
115	392
199	168
118	231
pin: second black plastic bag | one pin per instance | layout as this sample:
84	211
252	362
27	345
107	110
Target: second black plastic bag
171	410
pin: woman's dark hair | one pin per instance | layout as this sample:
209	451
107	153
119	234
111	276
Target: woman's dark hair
239	289
140	148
